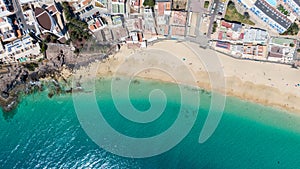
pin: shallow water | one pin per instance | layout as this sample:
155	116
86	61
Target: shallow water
46	133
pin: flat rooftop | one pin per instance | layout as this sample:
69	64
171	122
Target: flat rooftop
297	2
272	13
255	35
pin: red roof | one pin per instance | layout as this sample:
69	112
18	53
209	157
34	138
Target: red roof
241	36
43	18
86	2
220	37
226	24
92	27
137	3
98	24
52	8
161	8
140	37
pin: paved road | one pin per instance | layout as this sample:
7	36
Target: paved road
199	38
212	18
19	14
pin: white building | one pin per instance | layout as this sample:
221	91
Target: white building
254	35
20	50
6	30
282	49
5	8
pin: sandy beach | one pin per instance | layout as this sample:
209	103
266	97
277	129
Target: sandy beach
183	62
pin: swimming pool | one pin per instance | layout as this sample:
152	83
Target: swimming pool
272	2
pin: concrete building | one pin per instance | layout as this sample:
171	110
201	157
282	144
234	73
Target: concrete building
6	30
282	49
44	19
96	24
268	14
254	51
29	17
80	4
6	8
149	22
163	11
163	7
254	35
134	24
118	7
294	5
137	38
178	23
20	50
135	6
49	20
230	31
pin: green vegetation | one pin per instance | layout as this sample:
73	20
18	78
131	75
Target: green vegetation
206	4
233	15
247	15
77	51
50	38
282	10
215	25
78	30
31	66
67	11
292	45
282	40
77	33
150	3
43	47
298	50
292	30
179	4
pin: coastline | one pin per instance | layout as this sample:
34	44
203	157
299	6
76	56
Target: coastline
257	82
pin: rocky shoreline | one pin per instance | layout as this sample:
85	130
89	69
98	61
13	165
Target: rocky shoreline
52	73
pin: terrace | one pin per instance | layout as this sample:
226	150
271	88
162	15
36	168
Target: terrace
134	24
21	49
178	18
6	8
162	7
228	31
255	36
118	7
282	49
6	30
283	41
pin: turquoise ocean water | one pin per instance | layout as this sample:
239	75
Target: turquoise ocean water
46	133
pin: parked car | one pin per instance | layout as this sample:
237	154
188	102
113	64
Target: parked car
32	31
89	8
24	32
